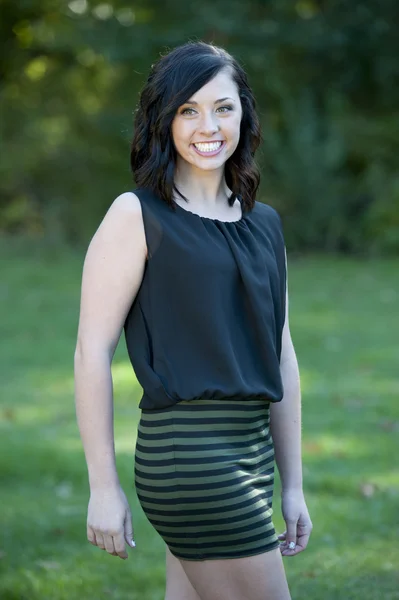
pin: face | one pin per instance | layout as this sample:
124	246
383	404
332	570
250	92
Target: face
206	129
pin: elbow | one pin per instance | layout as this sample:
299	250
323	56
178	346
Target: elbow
90	350
80	351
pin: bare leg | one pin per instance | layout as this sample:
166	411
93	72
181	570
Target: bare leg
178	586
259	577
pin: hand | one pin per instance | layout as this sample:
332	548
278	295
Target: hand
298	523
109	521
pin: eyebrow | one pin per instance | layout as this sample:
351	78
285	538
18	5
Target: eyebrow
216	101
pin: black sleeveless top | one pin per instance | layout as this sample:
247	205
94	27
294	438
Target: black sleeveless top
207	319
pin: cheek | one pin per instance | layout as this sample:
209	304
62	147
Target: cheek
237	122
232	126
233	129
181	134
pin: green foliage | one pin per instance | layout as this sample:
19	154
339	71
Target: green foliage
325	75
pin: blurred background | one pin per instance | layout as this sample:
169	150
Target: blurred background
325	76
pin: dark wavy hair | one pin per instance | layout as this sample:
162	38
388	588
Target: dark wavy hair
173	79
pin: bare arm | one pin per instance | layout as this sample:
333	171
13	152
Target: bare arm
285	426
285	419
112	274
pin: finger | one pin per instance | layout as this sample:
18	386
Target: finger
128	529
286	551
100	540
290	546
91	536
282	539
299	547
290	553
291	531
291	537
303	540
109	544
120	547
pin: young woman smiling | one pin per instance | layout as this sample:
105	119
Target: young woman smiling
193	269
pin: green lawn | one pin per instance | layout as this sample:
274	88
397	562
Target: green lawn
345	327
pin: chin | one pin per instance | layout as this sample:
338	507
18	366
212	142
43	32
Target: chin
209	163
209	167
213	168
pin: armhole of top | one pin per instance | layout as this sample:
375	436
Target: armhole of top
285	284
152	226
281	253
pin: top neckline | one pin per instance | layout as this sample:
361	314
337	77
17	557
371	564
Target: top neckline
236	222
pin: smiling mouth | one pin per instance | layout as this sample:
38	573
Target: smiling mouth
208	148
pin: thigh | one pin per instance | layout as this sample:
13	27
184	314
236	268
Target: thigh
178	585
259	577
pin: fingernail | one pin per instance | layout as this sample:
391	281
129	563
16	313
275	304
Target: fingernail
291	545
133	543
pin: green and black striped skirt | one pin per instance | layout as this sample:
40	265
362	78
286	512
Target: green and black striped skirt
204	475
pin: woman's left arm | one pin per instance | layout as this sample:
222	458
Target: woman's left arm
285	427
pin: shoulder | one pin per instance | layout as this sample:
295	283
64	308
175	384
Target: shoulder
266	208
126	203
269	213
123	222
126	211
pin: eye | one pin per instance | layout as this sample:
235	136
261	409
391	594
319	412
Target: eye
228	107
184	111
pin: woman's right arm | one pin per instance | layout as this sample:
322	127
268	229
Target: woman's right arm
112	274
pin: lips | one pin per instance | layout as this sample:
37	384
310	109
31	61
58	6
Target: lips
209	148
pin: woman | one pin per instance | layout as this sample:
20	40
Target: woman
193	269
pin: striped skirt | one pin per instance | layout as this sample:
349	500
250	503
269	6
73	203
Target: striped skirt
204	474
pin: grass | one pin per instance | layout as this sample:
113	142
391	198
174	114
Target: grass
345	326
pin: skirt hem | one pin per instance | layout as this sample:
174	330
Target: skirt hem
224	556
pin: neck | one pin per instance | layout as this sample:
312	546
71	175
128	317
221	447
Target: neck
200	187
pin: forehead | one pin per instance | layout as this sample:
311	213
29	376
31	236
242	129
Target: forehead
220	86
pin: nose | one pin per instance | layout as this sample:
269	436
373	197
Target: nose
209	125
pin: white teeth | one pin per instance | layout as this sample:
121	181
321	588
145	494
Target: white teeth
208	147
